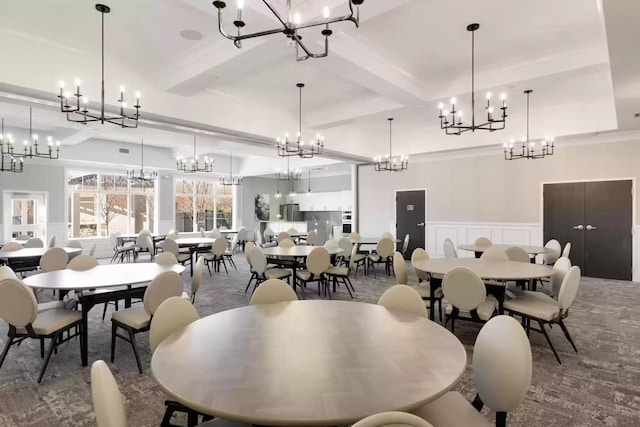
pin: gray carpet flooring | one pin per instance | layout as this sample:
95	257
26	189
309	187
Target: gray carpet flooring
599	386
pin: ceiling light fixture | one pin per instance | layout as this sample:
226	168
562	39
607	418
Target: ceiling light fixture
309	189
298	148
232	180
390	163
79	113
30	146
528	148
451	120
194	167
142	175
10	164
290	25
288	174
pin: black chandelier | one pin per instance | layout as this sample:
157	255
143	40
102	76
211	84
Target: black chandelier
390	163
288	174
142	175
77	110
298	148
290	25
231	180
528	148
309	188
194	166
451	120
30	147
8	162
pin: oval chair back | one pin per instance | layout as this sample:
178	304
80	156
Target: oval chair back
318	261
74	244
353	257
247	251
241	234
392	419
405	244
214	234
418	254
560	269
202	232
400	269
7	273
268	234
331	243
292	231
312	236
502	341
165	285
219	246
258	261
82	263
567	250
355	237
258	238
54	259
173	236
165	258
173	314
108	403
482	241
22	238
92	250
494	253
346	246
52	242
282	236
113	239
449	249
516	253
196	280
385	248
386	235
569	289
551	257
169	245
34	242
12	246
464	289
403	298
18	305
286	243
272	291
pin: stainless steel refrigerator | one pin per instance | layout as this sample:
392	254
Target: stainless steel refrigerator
290	212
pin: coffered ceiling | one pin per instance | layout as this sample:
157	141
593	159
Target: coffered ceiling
407	56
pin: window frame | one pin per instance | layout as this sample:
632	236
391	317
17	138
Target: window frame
194	203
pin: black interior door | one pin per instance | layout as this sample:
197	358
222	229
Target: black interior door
608	225
564	207
410	219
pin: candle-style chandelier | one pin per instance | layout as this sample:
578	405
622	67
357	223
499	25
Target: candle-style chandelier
30	147
231	180
291	23
451	120
142	175
288	174
77	109
195	165
390	163
298	148
528	148
8	162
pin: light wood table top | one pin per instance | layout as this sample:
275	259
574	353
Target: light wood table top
308	363
101	276
297	251
194	241
498	270
34	253
370	240
531	250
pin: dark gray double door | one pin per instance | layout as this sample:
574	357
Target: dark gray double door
597	219
410	219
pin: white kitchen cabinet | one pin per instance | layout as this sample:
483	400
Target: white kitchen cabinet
324	201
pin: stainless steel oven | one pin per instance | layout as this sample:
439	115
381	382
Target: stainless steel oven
346	228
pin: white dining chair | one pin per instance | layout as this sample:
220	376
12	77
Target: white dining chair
54	259
216	255
165	258
501	344
52	241
7	273
567	250
292	231
383	255
517	254
386	235
312	236
108	403
273	291
22	238
556	249
482	241
545	310
227	255
170	246
467	297
423	288
494	253
82	263
74	244
405	244
355	236
34	242
137	319
196	280
560	269
338	274
12	246
449	249
317	264
392	419
92	249
403	298
356	260
286	243
282	236
260	270
19	308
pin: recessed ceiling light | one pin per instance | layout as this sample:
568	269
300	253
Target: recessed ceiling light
191	34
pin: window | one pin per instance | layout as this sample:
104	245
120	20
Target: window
202	204
100	204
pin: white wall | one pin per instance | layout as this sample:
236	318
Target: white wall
486	195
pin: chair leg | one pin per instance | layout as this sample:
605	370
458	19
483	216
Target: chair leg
566	334
6	350
166	419
440	309
192	419
104	311
114	329
209	267
544	331
41	348
501	419
52	346
135	349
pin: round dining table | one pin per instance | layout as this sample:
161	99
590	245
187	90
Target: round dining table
195	245
486	269
83	282
28	259
308	363
531	250
292	257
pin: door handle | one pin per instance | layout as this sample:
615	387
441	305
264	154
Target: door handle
580	227
421	224
591	227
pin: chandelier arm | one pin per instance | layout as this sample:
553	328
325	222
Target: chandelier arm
308	53
249	36
275	12
102	75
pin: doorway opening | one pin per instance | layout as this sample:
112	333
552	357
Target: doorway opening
411	219
24	214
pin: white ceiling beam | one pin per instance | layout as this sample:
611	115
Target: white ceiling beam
345	113
84	134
